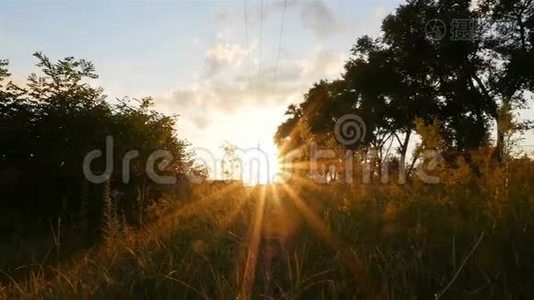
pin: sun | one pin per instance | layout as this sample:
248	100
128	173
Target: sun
261	165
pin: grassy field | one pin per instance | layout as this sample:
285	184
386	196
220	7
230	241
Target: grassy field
307	241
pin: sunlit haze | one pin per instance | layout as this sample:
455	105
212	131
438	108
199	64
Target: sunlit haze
227	73
267	149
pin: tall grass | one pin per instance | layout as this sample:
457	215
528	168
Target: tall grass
459	239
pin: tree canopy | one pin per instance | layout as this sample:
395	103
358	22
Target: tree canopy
53	121
407	74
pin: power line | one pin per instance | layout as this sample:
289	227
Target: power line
280	37
275	73
260	71
246	24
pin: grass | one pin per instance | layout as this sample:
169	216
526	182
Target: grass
306	241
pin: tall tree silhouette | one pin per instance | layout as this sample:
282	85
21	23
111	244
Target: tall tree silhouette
407	74
50	124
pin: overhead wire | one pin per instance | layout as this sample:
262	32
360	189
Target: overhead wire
246	25
260	51
280	41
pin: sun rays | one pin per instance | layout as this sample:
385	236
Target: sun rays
253	247
276	214
349	258
271	222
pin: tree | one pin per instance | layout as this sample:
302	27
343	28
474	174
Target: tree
231	165
406	75
52	123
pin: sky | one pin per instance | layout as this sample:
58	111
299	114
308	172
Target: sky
228	68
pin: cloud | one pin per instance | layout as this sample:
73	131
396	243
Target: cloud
315	15
222	55
319	18
16	80
379	12
231	86
201	121
255	13
323	63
